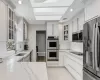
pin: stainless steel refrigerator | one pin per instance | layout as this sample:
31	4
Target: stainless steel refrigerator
91	55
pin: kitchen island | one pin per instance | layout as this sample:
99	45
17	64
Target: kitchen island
23	71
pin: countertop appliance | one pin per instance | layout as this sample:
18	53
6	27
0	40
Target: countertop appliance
25	47
91	49
52	48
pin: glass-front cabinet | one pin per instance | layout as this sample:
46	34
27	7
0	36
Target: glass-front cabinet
66	32
11	24
11	30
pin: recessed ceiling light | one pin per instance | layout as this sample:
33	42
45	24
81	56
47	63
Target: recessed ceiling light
71	10
19	2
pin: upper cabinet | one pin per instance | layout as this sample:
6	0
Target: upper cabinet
3	21
21	30
6	22
74	25
25	31
66	32
77	22
52	29
11	26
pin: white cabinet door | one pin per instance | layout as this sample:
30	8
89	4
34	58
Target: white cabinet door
20	35
52	29
61	58
81	21
26	32
49	29
3	21
56	30
74	25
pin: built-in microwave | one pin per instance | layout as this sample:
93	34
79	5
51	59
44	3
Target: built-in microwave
53	44
75	37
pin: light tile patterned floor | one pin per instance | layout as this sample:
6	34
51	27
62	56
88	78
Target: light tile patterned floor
59	74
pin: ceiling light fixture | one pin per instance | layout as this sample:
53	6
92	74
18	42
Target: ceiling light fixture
71	10
19	2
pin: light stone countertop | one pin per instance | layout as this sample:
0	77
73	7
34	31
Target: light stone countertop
23	71
15	58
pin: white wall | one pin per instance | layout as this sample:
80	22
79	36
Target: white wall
32	37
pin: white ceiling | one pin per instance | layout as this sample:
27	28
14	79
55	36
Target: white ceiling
50	9
77	6
35	11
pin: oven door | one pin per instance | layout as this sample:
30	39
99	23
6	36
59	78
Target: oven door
53	44
52	55
89	46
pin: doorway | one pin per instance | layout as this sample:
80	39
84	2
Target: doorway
41	46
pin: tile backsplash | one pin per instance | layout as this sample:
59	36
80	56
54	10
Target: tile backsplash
75	46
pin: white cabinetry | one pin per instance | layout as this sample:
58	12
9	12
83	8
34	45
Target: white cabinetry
52	29
74	25
74	66
78	21
3	21
21	30
61	58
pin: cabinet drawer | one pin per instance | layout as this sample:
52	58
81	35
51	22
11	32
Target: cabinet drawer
74	73
77	67
73	67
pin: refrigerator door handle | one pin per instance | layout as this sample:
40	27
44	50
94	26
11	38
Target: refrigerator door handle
93	45
96	47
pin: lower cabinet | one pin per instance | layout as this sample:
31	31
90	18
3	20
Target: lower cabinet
73	67
61	58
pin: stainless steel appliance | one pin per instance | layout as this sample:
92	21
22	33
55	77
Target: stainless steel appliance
53	43
91	56
53	55
52	48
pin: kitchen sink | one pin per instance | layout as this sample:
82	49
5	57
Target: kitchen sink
21	54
